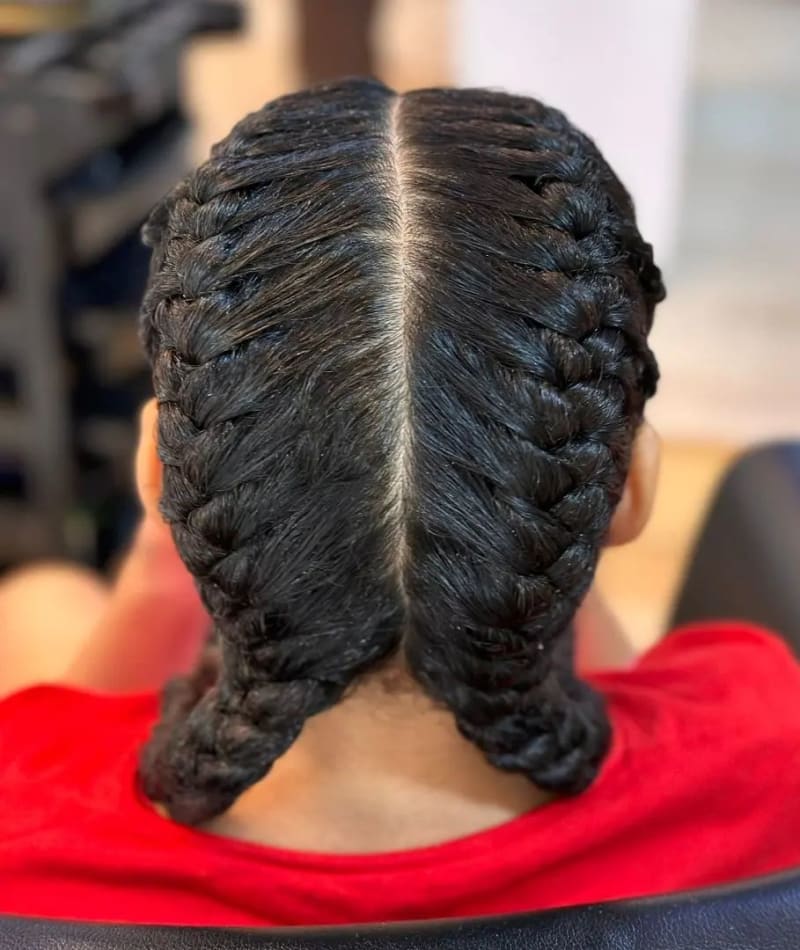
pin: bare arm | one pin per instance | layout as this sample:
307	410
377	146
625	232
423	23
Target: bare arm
154	625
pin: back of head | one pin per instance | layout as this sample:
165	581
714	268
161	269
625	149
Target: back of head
399	347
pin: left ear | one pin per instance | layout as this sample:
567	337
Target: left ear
148	465
636	504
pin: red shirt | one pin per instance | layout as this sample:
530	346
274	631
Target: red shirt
702	786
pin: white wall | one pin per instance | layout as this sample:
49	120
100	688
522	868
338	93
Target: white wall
618	68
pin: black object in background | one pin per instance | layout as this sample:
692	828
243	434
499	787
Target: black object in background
92	134
746	564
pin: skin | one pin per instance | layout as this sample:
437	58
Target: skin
385	769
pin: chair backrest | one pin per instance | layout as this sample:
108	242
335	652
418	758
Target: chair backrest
744	564
762	914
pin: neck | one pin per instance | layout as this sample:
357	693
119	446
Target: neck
385	769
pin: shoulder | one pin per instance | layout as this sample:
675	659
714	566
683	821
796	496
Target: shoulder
67	765
730	690
705	761
52	723
739	664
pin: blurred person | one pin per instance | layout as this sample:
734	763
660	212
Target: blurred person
399	351
335	38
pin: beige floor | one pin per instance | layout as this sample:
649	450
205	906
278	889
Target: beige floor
727	338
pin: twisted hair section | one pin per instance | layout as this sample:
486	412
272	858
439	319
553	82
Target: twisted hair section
400	352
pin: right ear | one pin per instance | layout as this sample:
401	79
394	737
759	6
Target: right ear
149	471
636	504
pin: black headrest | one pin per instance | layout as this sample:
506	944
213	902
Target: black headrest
762	914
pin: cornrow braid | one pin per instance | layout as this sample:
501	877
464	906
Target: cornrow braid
533	369
263	324
399	348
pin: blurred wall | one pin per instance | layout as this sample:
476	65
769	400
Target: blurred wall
728	337
619	69
230	77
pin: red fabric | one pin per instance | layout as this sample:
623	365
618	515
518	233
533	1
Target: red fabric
702	786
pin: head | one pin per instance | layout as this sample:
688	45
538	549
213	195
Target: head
399	348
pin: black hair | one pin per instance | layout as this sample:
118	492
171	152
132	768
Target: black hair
399	345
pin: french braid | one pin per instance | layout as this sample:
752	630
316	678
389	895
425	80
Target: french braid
399	348
534	368
263	324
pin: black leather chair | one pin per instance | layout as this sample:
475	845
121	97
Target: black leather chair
762	914
744	555
746	563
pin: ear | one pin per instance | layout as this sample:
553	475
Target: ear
636	504
148	464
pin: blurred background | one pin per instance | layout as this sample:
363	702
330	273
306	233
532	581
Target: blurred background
104	104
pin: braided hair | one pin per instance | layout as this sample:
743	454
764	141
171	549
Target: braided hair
399	345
